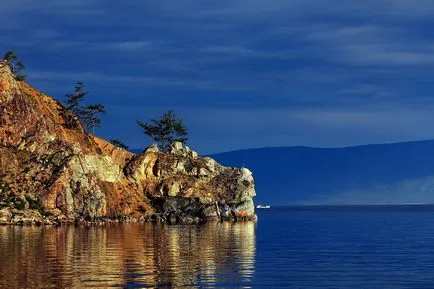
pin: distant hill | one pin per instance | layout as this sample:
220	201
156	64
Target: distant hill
370	174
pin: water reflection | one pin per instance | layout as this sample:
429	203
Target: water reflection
130	255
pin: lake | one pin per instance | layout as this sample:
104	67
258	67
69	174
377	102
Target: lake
295	247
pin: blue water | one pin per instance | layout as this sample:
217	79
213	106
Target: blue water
298	247
345	247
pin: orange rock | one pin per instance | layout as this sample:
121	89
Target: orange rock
75	175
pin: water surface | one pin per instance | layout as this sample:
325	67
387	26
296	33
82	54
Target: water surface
309	247
127	255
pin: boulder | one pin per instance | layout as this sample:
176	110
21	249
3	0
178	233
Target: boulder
153	148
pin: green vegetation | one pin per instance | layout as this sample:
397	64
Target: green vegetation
34	204
118	143
47	159
87	114
89	118
19	204
9	200
15	65
165	130
73	100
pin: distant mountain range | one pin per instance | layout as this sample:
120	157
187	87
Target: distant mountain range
395	173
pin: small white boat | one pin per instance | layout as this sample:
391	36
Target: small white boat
263	207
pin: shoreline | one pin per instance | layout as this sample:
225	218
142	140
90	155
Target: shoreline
8	218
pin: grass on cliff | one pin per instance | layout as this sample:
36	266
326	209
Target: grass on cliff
9	200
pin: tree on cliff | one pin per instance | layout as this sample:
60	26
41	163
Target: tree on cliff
118	143
165	130
15	65
87	114
73	100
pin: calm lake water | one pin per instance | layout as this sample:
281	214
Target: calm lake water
311	247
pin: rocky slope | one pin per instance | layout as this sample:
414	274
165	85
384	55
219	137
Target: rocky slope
54	172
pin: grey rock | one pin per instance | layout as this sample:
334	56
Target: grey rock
153	148
176	148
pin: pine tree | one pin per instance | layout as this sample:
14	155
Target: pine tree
85	113
165	130
88	116
15	65
118	143
73	100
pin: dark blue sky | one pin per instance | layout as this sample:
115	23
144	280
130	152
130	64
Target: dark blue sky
240	73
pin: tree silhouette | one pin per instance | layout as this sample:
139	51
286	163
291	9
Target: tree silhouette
85	113
165	130
15	65
73	100
118	143
88	116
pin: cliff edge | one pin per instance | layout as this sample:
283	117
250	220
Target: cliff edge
53	172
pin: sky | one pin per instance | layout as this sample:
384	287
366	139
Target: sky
239	73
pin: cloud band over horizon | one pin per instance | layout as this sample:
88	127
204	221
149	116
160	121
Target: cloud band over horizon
240	73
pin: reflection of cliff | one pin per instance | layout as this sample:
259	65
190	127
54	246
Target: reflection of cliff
213	252
133	254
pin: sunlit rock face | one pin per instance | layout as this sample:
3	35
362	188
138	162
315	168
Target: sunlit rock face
51	172
8	86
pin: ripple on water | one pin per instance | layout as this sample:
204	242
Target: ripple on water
360	249
128	255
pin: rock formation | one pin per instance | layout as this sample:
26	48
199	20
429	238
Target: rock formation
54	172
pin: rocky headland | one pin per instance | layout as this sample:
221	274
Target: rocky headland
52	172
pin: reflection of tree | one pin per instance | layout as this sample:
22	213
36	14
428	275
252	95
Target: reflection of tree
131	254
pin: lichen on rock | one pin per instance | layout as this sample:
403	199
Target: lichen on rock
51	173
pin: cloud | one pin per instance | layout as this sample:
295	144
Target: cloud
386	55
415	8
393	119
346	33
233	50
367	90
280	68
116	46
129	45
136	81
52	40
319	127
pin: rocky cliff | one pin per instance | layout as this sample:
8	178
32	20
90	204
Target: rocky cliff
54	172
